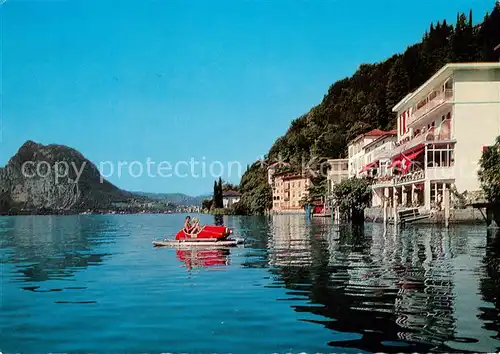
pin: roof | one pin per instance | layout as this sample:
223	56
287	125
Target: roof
374	133
382	137
443	73
231	194
288	175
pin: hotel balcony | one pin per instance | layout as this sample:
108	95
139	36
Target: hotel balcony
434	101
431	136
416	176
404	146
383	181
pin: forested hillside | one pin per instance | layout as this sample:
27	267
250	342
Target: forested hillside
364	101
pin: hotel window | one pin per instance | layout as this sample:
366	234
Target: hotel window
440	155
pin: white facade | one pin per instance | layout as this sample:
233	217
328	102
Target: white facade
229	200
378	154
476	116
442	127
356	150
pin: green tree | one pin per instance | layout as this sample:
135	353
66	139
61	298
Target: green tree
207	204
226	186
352	196
220	198
489	172
398	83
215	196
256	193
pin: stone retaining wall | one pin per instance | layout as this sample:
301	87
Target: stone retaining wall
468	215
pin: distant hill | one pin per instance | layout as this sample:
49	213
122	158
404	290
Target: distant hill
176	198
82	187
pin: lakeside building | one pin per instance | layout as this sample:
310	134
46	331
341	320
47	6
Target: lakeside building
288	191
377	154
356	149
339	170
442	128
229	198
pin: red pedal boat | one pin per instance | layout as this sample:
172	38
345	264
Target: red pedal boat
210	235
207	231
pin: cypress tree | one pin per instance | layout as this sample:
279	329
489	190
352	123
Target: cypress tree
219	190
215	197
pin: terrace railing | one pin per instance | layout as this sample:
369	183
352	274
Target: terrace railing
436	101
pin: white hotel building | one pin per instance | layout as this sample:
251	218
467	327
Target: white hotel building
442	128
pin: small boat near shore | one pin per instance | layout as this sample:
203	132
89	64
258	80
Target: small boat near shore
228	242
209	235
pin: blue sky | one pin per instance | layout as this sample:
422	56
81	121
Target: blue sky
179	80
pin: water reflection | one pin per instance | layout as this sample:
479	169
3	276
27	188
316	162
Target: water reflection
218	220
256	231
290	244
490	285
42	248
201	258
385	291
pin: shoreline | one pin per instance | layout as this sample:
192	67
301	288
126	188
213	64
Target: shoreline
84	212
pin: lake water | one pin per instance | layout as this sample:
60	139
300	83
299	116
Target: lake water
95	284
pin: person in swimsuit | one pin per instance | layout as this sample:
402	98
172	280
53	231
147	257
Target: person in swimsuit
187	225
196	226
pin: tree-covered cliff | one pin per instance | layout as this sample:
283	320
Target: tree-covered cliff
364	101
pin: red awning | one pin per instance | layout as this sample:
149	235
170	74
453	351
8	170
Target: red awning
369	166
413	149
395	162
412	155
407	160
406	156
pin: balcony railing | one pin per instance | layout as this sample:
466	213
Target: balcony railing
432	173
433	134
386	180
402	147
389	181
441	98
410	177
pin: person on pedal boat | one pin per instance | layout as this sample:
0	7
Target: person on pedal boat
188	228
196	227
